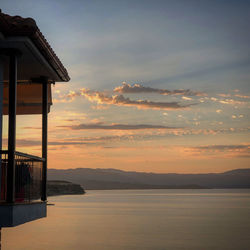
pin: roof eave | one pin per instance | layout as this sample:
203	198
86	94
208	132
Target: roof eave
43	46
13	26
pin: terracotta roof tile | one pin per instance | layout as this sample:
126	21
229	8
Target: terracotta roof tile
19	26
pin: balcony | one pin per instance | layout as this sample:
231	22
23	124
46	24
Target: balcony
28	189
28	177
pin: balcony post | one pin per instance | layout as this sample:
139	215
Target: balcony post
1	117
44	136
12	128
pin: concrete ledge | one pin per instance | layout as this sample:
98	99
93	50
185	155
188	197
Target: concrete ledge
12	215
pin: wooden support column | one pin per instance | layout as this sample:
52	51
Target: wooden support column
12	128
44	136
1	114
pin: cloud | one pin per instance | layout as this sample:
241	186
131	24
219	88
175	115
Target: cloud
138	88
102	98
242	96
224	147
67	97
228	101
187	98
237	116
141	133
28	143
34	143
224	151
88	141
120	100
232	102
115	126
224	95
151	131
37	128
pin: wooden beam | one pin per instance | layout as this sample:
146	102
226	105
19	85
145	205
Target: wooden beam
12	128
44	136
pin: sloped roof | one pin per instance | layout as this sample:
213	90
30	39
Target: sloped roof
14	26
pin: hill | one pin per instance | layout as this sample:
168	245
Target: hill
118	179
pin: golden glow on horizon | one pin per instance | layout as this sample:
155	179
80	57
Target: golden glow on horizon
183	142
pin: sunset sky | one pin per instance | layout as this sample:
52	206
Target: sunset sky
156	86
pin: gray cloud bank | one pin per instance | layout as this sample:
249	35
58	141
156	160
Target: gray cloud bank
138	88
115	126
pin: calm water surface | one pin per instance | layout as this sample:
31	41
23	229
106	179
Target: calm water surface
139	219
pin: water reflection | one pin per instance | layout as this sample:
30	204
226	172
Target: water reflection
139	219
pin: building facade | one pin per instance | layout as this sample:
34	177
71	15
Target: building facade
28	68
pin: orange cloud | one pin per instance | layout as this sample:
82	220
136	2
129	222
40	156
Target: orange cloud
232	102
120	100
242	96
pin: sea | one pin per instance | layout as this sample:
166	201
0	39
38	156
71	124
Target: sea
139	220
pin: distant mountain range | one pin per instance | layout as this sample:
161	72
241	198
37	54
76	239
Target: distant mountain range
118	179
